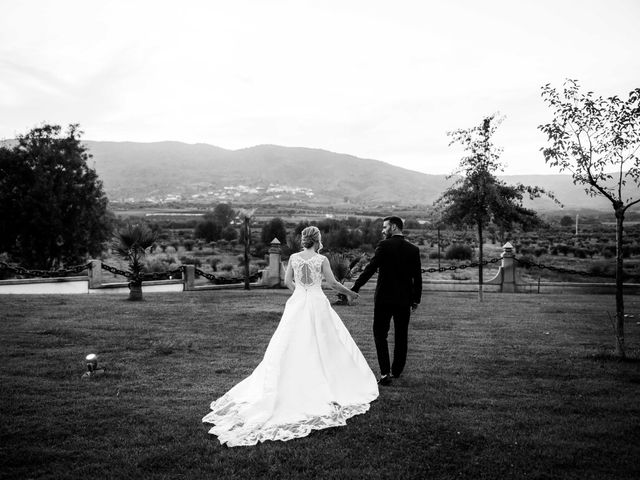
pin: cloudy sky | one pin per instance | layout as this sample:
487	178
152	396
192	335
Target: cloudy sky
373	78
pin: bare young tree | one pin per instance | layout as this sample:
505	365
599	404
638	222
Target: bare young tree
597	140
478	197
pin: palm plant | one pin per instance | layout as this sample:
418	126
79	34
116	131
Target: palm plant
340	266
132	243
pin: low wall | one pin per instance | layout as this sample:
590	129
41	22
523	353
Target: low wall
37	286
147	287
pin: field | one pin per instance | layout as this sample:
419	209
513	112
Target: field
520	386
591	251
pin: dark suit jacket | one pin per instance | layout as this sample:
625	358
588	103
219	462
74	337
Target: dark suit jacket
397	262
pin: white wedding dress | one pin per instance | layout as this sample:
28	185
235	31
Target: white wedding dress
312	376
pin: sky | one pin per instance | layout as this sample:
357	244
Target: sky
384	80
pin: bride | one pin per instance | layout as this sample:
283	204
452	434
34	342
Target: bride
312	376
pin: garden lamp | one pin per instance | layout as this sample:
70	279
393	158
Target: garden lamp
92	362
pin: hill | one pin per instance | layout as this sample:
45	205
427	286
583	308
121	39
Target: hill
142	170
175	171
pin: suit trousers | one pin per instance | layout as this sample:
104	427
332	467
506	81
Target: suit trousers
382	314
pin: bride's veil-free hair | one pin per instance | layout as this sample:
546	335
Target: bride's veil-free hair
311	236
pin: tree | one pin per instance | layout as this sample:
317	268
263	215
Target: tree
132	244
566	221
477	197
223	214
274	229
208	229
53	210
597	140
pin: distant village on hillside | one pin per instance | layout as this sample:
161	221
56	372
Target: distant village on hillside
209	194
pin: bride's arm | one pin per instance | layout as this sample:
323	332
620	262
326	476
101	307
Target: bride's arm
288	277
333	283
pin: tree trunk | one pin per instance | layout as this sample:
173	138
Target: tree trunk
480	242
135	290
620	351
247	241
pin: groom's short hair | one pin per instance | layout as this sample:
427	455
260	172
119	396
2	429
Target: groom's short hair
397	221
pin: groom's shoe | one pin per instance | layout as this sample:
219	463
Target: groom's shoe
384	380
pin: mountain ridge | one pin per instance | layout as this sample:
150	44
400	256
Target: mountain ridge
138	171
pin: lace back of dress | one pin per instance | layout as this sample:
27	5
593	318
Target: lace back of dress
307	273
306	276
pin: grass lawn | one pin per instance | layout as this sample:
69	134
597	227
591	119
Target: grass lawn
520	386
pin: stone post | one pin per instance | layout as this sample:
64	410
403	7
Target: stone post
189	277
506	276
508	268
95	274
274	269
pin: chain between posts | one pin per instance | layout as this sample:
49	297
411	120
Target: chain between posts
144	276
63	272
460	267
222	280
529	264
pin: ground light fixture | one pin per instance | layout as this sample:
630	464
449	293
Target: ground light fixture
91	361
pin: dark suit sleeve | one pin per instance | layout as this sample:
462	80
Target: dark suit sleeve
417	278
369	270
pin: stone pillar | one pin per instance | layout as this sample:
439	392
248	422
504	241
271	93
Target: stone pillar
95	274
274	269
506	276
508	268
189	277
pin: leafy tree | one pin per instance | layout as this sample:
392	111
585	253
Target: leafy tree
208	229
478	197
53	210
132	243
229	233
566	221
223	214
597	140
275	228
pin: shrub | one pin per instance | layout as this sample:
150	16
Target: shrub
525	260
580	253
460	276
214	263
225	267
230	233
602	268
459	251
539	251
188	244
159	263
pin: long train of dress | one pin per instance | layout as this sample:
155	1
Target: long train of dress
312	376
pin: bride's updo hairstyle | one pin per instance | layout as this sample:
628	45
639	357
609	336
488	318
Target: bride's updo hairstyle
311	236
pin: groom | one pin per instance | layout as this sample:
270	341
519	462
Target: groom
398	292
